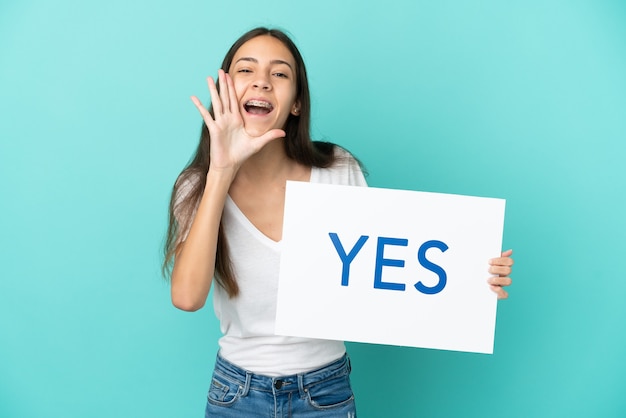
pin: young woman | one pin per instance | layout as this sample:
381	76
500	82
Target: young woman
226	218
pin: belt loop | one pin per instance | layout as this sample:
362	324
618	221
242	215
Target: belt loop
301	385
246	386
349	363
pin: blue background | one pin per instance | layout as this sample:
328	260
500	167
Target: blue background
524	100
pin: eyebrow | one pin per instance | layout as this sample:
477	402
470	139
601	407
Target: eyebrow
256	61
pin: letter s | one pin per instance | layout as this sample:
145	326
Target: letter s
421	256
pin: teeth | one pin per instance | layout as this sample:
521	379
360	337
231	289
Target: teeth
259	103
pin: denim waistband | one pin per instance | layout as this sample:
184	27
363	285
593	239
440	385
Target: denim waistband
298	382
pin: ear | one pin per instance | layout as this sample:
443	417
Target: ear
295	109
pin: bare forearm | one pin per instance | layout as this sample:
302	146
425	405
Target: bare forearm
194	264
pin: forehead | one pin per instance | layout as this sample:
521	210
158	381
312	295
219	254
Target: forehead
265	48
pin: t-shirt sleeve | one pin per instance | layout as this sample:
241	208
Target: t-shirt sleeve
346	170
355	174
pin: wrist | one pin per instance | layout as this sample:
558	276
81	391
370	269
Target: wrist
217	175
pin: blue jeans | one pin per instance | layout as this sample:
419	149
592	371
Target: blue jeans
324	392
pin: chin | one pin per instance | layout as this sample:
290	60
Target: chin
255	131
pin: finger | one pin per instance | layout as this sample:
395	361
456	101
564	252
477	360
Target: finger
500	281
500	270
234	103
197	103
269	136
507	253
215	97
203	111
224	96
502	261
502	294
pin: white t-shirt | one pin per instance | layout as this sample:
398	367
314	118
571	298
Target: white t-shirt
247	320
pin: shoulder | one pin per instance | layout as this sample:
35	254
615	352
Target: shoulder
345	169
342	153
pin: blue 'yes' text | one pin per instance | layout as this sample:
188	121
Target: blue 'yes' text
381	261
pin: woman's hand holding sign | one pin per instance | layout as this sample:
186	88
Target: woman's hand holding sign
501	269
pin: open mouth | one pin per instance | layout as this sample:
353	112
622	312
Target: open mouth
258	107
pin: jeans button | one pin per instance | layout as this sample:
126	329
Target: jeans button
278	384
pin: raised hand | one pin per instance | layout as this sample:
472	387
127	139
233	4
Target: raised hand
501	269
230	143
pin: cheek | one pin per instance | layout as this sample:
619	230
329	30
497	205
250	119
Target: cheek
288	97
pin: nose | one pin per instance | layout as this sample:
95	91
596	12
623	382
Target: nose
262	82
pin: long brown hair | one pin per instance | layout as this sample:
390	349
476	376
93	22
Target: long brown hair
189	186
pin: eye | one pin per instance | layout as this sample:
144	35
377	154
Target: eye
244	70
281	75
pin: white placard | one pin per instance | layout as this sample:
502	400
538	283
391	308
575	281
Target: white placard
352	256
